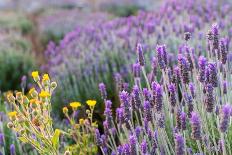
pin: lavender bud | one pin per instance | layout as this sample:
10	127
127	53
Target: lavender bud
1	139
225	117
202	66
102	89
178	119
179	144
108	104
137	131
210	99
98	137
183	121
215	32
146	94
147	111
136	70
154	66
160	56
224	87
189	58
124	97
120	150
223	50
109	118
144	147
140	55
126	149
196	126
172	97
184	68
192	89
12	149
158	98
136	96
211	74
132	141
120	115
161	121
176	76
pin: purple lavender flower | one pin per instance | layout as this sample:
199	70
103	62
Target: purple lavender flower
132	141
154	66
178	119
202	62
146	94
176	75
144	147
161	56
124	97
136	70
210	99
120	150
1	139
184	68
141	59
161	121
225	117
158	98
179	144
126	149
183	120
137	131
172	97
120	115
215	33
108	104
98	137
189	57
223	50
211	74
102	89
192	89
196	126
109	118
147	111
136	96
224	87
12	149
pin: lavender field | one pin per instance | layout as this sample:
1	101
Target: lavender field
116	77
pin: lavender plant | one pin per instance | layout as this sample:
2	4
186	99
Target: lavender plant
92	54
185	112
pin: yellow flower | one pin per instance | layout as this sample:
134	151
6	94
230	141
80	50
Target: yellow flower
31	90
91	103
34	101
81	121
35	74
46	77
12	114
75	104
44	94
65	110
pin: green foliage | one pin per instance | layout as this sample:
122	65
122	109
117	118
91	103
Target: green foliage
15	61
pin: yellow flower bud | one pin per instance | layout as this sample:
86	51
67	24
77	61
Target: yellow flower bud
33	93
65	110
10	125
53	85
35	75
25	100
81	121
19	96
11	98
46	80
12	115
44	94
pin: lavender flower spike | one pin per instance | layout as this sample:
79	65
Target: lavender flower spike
172	98
225	117
179	144
132	141
98	137
210	99
184	68
158	98
12	149
160	56
141	59
144	147
102	89
202	62
196	126
136	70
147	111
